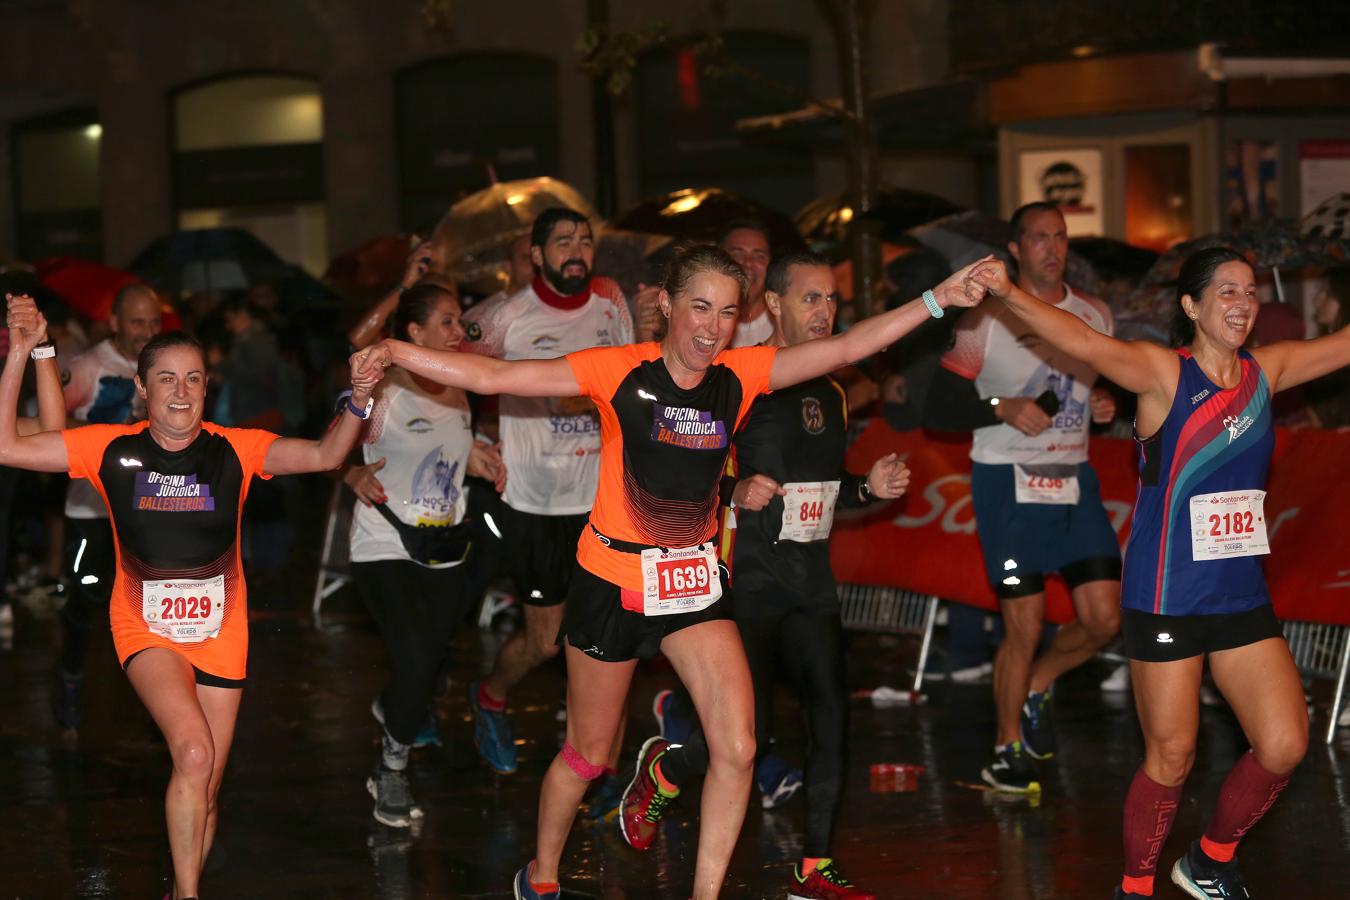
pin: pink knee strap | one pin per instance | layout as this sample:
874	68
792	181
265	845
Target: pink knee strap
577	763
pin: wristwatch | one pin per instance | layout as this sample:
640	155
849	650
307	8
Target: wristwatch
361	412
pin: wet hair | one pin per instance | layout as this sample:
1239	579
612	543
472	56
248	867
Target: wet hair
546	220
415	306
780	270
126	292
745	224
690	259
1018	221
164	341
1196	274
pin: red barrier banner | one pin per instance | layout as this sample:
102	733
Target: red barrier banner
926	540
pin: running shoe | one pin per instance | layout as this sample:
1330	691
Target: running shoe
1012	771
778	782
524	891
1038	726
394	804
492	735
644	802
429	736
606	798
669	723
66	700
825	882
1203	878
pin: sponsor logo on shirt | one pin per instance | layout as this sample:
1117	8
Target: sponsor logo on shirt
545	342
813	417
473	331
693	429
419	425
569	425
1200	396
171	493
1236	426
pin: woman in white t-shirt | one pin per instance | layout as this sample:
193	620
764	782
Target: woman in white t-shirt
409	539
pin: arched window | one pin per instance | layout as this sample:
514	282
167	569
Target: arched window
56	185
248	153
687	120
464	120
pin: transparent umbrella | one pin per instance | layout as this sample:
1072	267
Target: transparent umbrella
470	242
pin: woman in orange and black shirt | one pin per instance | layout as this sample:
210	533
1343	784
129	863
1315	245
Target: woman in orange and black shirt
175	487
649	578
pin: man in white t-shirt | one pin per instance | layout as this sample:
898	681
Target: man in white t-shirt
747	242
551	449
100	388
1037	502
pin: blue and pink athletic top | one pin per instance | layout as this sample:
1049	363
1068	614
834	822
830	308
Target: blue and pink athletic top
1213	440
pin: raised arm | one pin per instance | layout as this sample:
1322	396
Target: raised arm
805	361
472	372
295	456
45	451
367	330
1291	363
1140	367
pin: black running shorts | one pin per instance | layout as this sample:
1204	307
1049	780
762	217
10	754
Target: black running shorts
540	553
1155	638
596	623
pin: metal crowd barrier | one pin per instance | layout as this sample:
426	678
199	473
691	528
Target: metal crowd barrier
335	560
868	607
1322	651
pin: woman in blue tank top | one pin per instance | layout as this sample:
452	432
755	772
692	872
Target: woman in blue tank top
1193	583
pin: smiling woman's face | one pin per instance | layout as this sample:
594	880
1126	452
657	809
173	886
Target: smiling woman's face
702	318
1227	306
174	390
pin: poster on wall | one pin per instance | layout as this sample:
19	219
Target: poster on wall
1251	183
1158	196
1072	179
1323	171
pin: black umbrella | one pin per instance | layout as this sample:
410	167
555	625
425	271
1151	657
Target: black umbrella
208	259
824	222
700	214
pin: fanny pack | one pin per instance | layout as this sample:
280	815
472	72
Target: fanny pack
431	545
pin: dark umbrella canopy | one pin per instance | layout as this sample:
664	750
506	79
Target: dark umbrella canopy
1272	247
967	236
700	214
825	221
208	259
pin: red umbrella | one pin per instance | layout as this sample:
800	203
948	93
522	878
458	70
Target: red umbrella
89	287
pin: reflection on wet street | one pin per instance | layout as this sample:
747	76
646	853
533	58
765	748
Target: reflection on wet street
84	817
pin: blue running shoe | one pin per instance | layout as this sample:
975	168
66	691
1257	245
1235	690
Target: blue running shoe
524	891
492	735
778	782
1038	726
1203	878
606	798
429	736
671	723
